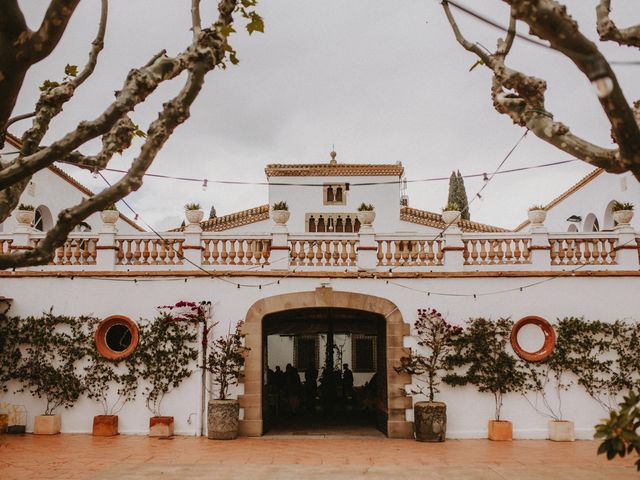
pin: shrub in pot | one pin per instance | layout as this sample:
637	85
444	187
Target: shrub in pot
52	347
280	212
621	431
451	214
163	359
25	214
193	213
482	360
225	362
622	212
537	214
435	340
111	383
366	213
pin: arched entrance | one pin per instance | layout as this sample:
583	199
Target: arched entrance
394	329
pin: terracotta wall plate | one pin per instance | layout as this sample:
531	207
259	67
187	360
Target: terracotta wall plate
549	339
108	335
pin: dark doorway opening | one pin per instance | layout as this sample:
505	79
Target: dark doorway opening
324	372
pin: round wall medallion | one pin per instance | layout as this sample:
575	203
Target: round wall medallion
549	339
116	337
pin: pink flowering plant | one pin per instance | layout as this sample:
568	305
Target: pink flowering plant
183	311
435	337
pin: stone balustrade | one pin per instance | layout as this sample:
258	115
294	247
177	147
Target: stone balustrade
453	251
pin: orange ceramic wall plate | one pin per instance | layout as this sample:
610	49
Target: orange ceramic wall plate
549	339
116	337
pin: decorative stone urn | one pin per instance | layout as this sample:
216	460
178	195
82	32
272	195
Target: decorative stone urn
161	427
500	430
25	217
105	425
194	216
223	419
451	217
280	217
366	217
537	217
561	431
47	425
430	421
623	217
110	217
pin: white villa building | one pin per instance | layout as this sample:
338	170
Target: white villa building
323	270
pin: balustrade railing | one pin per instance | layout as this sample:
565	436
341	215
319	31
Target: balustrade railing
227	251
79	249
323	252
393	252
574	250
492	250
149	251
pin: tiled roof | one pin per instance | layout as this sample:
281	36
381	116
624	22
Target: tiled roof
431	219
584	181
234	220
334	169
15	142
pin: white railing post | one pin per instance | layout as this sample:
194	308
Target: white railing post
106	248
279	258
627	254
453	249
22	237
539	248
192	246
367	250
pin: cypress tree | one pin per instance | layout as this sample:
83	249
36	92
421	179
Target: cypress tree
462	199
212	212
453	184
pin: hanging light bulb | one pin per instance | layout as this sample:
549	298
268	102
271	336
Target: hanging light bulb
485	178
94	174
600	75
479	197
603	86
136	217
204	184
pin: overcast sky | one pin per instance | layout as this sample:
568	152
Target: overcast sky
383	81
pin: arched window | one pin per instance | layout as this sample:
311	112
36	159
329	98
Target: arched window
43	220
339	225
356	226
609	222
348	226
312	224
339	194
591	223
320	224
330	194
572	228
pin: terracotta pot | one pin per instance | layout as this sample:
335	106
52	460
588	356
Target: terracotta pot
194	216
280	216
161	427
367	217
110	217
430	421
24	217
222	419
537	217
561	431
500	430
105	425
47	425
451	217
4	422
623	217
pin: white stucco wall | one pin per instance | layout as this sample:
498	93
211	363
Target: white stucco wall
604	298
594	199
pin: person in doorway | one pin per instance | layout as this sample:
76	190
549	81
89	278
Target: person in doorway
347	383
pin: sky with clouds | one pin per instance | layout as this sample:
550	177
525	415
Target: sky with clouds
383	81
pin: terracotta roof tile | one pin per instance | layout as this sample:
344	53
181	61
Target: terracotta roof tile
584	181
334	169
15	142
233	220
431	219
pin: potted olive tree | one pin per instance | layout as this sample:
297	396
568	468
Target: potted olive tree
52	345
112	383
164	355
225	362
481	352
435	339
280	212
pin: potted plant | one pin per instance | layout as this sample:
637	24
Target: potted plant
548	375
163	356
621	431
481	350
366	213
110	214
102	378
52	347
537	214
622	212
451	214
225	362
25	214
435	339
193	213
280	212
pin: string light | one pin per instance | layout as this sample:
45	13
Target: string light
95	172
204	184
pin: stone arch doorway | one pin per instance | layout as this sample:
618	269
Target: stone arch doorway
394	330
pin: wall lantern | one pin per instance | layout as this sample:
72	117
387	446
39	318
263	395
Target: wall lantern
574	219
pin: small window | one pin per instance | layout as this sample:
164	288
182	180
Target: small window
116	337
335	194
363	351
306	352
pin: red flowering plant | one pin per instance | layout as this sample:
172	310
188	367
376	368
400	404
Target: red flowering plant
435	337
226	360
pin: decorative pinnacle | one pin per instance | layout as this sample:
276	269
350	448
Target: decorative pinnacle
333	155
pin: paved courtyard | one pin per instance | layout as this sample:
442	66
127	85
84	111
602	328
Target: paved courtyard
138	457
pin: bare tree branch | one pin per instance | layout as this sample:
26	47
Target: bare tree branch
608	30
53	25
195	17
